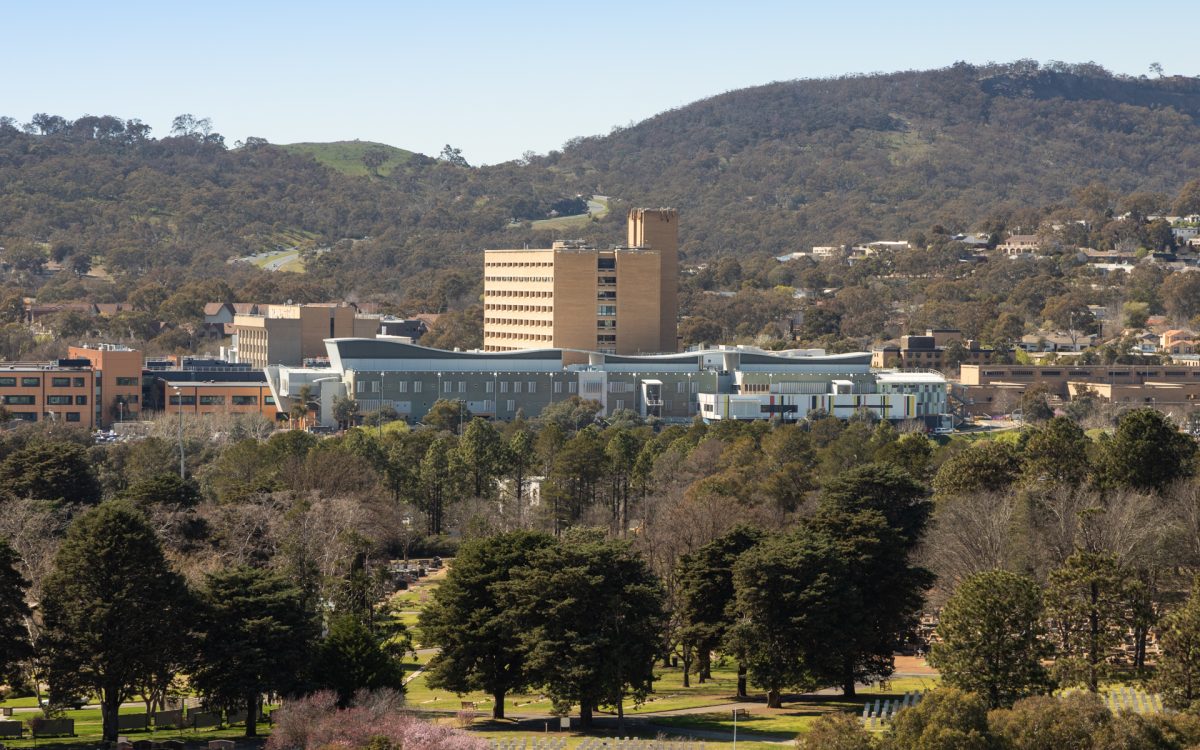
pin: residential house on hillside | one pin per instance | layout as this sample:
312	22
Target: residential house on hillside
1178	341
1057	341
1020	244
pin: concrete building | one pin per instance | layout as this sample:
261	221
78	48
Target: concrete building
672	387
219	397
289	334
622	300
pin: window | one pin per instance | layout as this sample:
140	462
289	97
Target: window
593	386
375	386
133	399
403	386
606	310
504	386
72	416
60	382
557	386
58	400
8	382
510	405
26	416
178	400
620	404
81	400
417	386
19	400
77	382
360	386
488	387
462	386
516	386
608	280
531	387
128	381
30	382
245	400
447	386
606	264
269	400
212	400
572	387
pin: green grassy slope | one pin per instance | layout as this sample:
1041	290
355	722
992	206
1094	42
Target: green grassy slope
347	156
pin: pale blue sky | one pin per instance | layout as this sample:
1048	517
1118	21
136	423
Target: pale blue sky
497	79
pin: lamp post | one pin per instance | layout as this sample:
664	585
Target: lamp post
179	407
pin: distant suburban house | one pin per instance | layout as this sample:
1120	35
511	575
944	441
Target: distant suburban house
930	351
1057	341
1178	341
218	313
1020	244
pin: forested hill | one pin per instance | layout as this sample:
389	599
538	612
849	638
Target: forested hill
757	171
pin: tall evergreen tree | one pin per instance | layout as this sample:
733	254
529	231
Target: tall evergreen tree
105	606
591	616
992	640
1178	674
14	633
479	641
256	636
1086	600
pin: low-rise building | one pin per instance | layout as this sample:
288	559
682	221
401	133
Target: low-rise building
931	351
992	389
380	373
288	334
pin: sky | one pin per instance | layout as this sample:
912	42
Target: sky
497	79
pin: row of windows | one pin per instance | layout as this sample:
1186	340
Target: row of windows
525	264
520	336
519	322
11	382
522	308
523	293
219	400
520	279
129	381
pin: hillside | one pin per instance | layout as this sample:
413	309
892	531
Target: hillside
352	157
755	173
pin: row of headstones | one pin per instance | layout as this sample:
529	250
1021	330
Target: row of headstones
176	720
1128	699
885	710
593	743
15	730
124	743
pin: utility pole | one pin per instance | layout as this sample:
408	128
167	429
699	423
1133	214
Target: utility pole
179	405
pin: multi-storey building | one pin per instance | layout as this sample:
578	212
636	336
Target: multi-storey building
289	334
674	387
62	391
930	351
118	381
994	389
621	300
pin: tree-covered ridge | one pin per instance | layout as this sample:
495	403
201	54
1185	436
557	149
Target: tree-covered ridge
762	170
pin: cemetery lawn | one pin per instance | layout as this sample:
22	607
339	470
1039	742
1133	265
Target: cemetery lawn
574	739
88	728
26	702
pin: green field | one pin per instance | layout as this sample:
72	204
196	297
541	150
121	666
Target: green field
347	156
88	731
598	209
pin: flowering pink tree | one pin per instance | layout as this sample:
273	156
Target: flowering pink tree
375	720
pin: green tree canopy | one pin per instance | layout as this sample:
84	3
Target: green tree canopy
58	472
1147	452
1057	452
591	616
986	466
105	606
992	640
1178	674
1086	601
479	642
257	636
946	719
14	633
351	658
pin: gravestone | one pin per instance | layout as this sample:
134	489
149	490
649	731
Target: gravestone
220	745
132	722
168	719
54	728
142	745
11	729
6	711
172	745
204	719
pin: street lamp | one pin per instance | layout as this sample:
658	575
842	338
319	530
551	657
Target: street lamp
179	408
